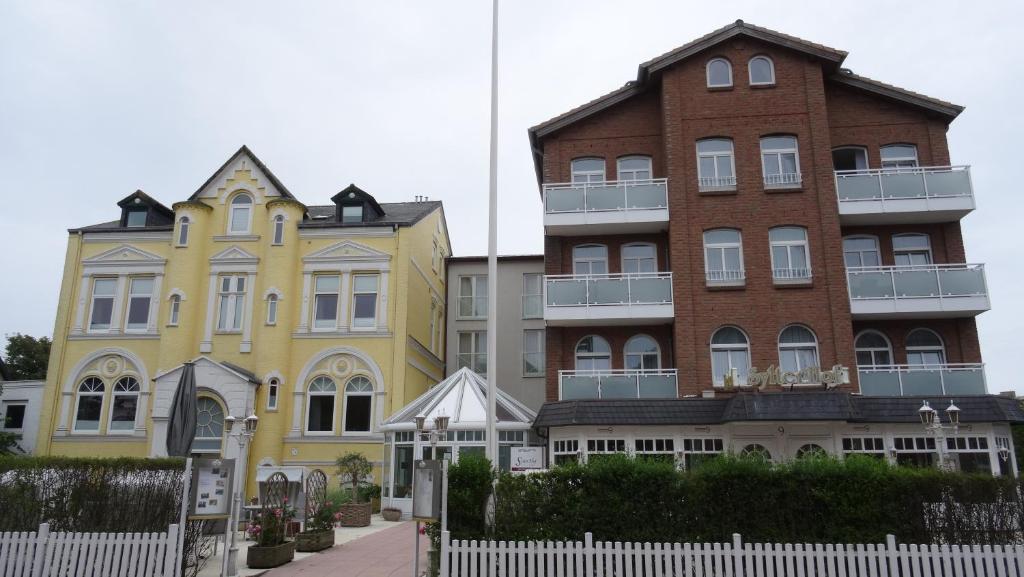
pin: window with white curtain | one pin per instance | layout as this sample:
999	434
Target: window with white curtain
472	351
798	348
533	293
232	301
790	258
730	353
473	297
723	256
780	161
716	165
533	352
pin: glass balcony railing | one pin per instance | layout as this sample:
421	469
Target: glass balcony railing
904	183
608	289
942	281
617	384
913	380
608	196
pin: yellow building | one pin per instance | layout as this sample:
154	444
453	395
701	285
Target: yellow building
323	320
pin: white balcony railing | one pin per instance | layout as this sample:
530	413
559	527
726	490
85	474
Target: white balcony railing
716	183
617	384
791	274
923	182
607	196
934	281
725	276
784	180
608	289
912	380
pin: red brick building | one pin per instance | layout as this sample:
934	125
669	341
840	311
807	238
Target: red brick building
748	223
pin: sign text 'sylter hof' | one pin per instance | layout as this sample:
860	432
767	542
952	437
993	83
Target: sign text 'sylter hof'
838	375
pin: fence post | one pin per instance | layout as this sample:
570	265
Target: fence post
39	555
737	554
588	554
891	554
170	550
445	552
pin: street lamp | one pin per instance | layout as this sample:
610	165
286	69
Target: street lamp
242	436
933	424
434	435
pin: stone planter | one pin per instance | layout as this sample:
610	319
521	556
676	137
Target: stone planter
309	542
354	514
390	514
267	557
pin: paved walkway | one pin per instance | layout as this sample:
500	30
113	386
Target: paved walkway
385	553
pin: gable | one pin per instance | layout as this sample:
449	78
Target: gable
235	255
243	171
124	254
347	250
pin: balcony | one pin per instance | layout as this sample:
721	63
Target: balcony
905	195
909	292
911	380
608	299
617	384
612	207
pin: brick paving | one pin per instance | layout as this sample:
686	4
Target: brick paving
384	553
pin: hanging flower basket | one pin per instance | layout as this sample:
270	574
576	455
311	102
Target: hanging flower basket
257	557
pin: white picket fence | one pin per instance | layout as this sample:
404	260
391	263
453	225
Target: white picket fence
737	559
59	554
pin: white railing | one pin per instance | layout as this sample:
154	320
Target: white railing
643	288
618	384
914	380
791	273
785	180
942	281
725	276
904	183
58	554
712	183
471	558
606	196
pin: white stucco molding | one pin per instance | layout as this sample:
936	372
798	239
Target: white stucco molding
176	292
299	391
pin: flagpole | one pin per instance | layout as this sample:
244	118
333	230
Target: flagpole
492	254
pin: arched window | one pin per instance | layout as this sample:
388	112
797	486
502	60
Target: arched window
209	426
183	225
642	354
278	229
811	451
716	165
798	348
272	309
241	214
861	251
780	161
925	349
639	257
124	406
719	73
273	391
756	451
174	314
320	406
723	255
873	349
912	249
897	156
358	402
790	255
587	170
730	351
593	354
632	168
761	70
590	259
89	405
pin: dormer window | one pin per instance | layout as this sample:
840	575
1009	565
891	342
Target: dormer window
352	213
356	206
136	218
139	210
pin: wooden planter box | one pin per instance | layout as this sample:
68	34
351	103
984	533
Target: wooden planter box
391	514
354	515
314	541
267	557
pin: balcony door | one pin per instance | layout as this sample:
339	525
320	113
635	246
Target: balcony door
593	354
590	259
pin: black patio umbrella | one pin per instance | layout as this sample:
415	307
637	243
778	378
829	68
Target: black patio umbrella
181	421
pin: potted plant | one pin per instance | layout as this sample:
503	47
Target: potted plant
391	513
318	533
354	468
268	530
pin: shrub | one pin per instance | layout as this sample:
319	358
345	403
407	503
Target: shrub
353	468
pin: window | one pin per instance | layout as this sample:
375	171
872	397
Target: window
473	351
911	250
125	404
278	229
209	426
472	297
533	353
925	349
698	451
325	301
183	226
633	168
434	266
789	253
914	451
14	417
719	73
761	70
596	448
970	454
896	156
175	311
103	290
232	297
352	213
859	251
140	295
89	405
273	390
272	309
136	218
730	357
780	162
798	348
364	301
850	158
320	405
811	451
358	400
565	451
872	446
723	256
587	170
655	449
241	214
639	258
590	259
593	354
642	354
756	451
716	165
533	292
873	350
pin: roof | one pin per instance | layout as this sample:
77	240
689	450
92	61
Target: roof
147	200
259	163
395	214
354	191
506	258
3	370
779	406
848	78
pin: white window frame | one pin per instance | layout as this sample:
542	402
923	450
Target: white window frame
632	172
233	299
249	210
626	353
92	306
863	445
790	274
771	70
860	253
130	212
272	305
79	393
700	446
223	413
589	261
723	276
344	411
898	162
564	448
310	393
184	225
781	180
537	297
346	219
579	176
174	310
577	355
655	446
940	348
857	349
606	446
716	182
122	383
801	346
653	258
273	393
316	297
277	238
539	353
477	301
364	324
474	354
717	379
707	72
132	297
926	250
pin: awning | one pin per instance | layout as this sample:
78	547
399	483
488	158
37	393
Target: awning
294	474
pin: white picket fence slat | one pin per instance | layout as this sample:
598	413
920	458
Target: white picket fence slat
460	558
70	554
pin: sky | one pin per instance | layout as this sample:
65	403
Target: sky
98	99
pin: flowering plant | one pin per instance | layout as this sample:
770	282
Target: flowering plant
268	528
323	519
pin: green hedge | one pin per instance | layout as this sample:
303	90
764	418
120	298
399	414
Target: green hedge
857	500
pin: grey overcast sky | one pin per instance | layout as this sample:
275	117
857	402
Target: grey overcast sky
98	99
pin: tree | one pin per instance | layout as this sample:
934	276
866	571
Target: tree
26	357
353	468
